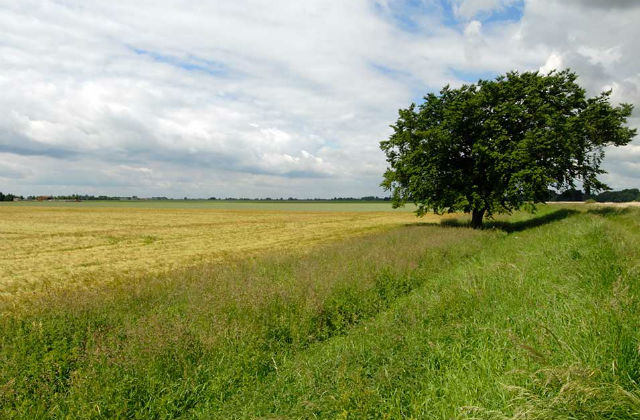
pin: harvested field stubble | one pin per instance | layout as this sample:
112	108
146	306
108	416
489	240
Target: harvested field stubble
44	247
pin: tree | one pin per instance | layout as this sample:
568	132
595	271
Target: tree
624	196
496	145
7	197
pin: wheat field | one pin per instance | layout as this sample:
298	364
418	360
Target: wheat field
44	247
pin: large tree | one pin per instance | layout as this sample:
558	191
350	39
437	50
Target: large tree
496	145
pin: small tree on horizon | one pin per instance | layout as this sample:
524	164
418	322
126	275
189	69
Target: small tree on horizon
493	146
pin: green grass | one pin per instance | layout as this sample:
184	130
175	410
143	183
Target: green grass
536	318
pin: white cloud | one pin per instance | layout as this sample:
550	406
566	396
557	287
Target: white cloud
554	62
468	9
237	98
473	29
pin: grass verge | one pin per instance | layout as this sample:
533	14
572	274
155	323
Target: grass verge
418	322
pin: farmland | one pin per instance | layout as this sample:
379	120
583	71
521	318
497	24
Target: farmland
384	316
65	244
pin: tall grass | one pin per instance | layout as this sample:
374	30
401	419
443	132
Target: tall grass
418	322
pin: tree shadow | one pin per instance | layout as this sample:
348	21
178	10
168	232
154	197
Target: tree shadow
518	226
609	211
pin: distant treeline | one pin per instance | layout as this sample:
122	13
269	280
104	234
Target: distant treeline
365	198
87	197
9	197
623	196
79	197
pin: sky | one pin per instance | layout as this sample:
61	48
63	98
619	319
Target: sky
270	99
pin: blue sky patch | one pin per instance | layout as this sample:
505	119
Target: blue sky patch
188	63
447	16
471	76
388	71
512	12
407	14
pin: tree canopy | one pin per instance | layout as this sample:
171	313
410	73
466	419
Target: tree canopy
496	145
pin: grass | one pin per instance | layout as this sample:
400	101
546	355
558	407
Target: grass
529	319
48	245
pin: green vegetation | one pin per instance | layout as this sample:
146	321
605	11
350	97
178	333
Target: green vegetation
8	197
88	197
623	196
500	144
537	317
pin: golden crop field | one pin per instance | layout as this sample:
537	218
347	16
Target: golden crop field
46	247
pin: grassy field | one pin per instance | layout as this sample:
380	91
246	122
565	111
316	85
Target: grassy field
537	317
47	245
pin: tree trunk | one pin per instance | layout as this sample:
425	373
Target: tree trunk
476	218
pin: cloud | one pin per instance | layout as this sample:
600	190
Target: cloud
238	98
468	9
610	4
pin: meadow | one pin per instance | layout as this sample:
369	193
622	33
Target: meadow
534	317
